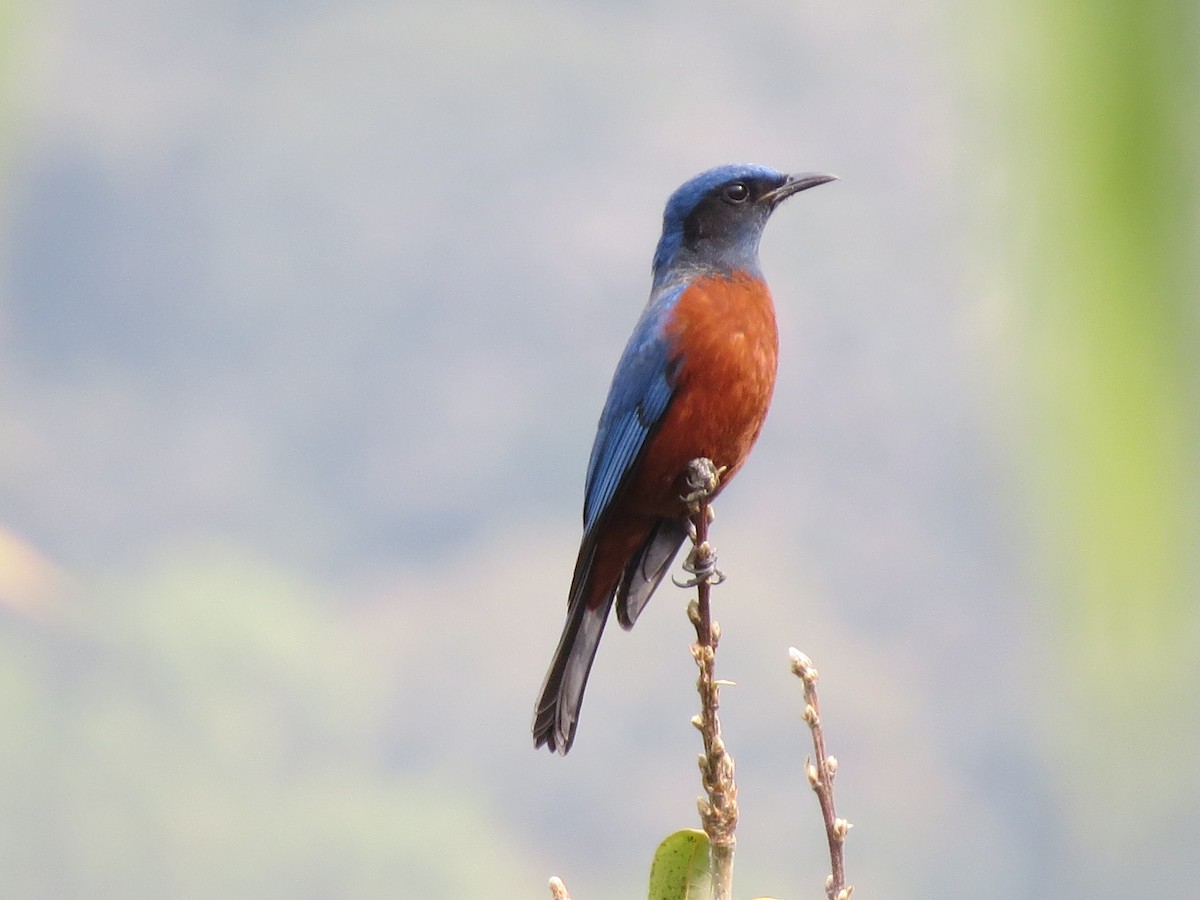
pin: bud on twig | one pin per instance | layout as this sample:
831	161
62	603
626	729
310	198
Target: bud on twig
820	778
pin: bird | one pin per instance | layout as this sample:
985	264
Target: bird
695	380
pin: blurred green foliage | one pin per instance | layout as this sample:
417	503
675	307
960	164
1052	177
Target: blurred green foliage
209	728
1103	210
1107	149
8	36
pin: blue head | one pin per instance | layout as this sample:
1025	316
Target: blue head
713	223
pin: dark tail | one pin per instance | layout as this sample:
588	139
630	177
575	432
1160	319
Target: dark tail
557	710
647	568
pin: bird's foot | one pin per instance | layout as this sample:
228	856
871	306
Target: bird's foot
702	478
701	563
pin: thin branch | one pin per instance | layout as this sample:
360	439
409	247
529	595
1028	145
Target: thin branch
718	810
820	778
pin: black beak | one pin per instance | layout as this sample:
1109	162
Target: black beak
794	185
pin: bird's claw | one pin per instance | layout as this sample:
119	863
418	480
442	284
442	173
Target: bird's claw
702	564
702	479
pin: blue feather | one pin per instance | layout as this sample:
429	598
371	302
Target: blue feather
640	394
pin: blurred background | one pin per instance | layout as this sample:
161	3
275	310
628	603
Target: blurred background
308	310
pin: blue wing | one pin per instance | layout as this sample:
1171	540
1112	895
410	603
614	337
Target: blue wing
640	393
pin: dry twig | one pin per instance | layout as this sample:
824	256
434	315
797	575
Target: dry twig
820	778
718	809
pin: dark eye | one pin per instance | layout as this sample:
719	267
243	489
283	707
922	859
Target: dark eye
737	192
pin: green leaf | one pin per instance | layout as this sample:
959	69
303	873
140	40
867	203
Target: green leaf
680	869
